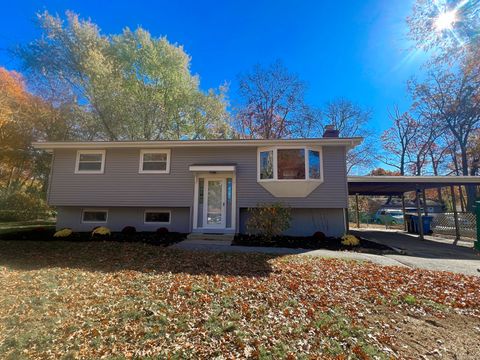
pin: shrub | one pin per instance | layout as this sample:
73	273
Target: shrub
129	230
63	233
350	240
101	231
20	206
162	231
319	236
268	220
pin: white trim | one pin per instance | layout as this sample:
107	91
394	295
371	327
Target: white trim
195	202
207	168
77	162
349	142
275	162
206	176
233	220
157	211
154	151
95	210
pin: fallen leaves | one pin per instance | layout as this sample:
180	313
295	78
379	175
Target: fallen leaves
93	300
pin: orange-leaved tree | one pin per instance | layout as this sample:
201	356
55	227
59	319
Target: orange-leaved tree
24	118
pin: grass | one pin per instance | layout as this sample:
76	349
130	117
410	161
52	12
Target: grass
88	300
15	226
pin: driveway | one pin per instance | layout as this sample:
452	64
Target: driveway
432	253
428	254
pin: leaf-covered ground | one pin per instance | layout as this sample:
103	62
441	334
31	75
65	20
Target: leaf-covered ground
114	300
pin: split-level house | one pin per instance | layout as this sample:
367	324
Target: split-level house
203	186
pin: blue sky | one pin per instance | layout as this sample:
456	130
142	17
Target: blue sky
355	49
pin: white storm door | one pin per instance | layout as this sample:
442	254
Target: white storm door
214	204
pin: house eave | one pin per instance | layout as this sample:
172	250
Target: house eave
48	145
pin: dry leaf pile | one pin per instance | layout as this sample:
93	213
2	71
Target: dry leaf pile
93	300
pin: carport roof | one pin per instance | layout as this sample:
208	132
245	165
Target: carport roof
397	185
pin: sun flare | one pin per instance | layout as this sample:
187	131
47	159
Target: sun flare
446	20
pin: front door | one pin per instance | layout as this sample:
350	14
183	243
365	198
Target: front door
214	204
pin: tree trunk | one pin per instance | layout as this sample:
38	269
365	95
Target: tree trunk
470	189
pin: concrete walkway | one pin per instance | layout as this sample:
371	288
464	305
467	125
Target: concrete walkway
429	254
213	246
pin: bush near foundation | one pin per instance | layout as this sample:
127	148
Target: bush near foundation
350	240
128	230
101	231
268	220
162	231
62	233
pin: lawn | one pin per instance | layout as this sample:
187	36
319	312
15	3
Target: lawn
127	300
16	226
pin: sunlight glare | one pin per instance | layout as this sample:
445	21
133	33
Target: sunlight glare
446	20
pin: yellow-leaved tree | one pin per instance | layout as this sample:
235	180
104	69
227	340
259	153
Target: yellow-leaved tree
24	118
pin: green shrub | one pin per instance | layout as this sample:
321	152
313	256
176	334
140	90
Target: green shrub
268	220
20	206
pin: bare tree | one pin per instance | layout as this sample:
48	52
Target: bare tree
397	140
351	120
420	145
273	104
450	100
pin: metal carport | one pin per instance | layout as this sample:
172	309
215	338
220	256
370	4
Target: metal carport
399	185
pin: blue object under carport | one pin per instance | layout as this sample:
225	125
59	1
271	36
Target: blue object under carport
414	227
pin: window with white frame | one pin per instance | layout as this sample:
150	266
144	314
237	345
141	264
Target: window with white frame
157	217
314	164
94	216
266	164
296	163
90	162
155	161
291	164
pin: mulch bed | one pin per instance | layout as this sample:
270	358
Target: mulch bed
309	242
46	234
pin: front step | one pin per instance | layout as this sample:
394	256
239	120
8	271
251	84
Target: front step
210	237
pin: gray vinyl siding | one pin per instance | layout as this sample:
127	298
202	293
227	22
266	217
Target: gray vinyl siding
122	186
119	217
305	222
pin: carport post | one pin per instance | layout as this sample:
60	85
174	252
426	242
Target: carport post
357	212
455	215
419	213
425	207
404	213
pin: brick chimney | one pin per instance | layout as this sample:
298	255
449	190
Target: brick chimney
330	132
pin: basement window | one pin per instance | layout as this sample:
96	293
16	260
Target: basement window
94	216
157	217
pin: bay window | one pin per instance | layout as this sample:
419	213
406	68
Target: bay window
276	163
291	164
314	164
266	164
